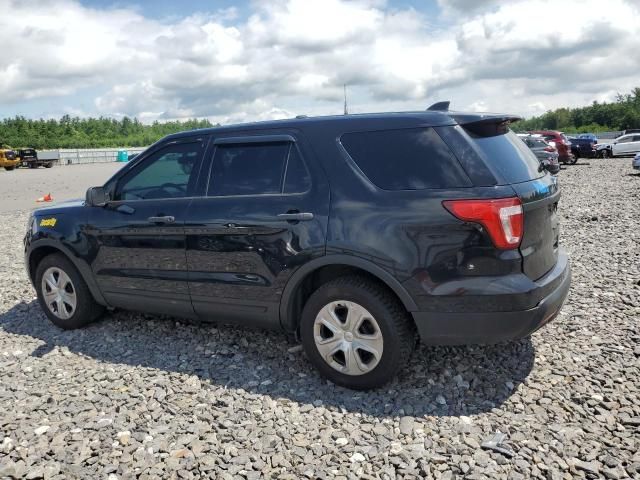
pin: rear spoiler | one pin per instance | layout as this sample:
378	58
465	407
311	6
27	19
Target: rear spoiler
486	124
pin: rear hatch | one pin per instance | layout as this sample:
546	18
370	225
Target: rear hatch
513	163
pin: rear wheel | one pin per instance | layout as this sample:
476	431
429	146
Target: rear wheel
48	165
63	294
573	160
8	169
356	333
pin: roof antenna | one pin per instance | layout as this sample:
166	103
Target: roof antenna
346	110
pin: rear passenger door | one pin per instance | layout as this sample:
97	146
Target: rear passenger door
622	145
262	214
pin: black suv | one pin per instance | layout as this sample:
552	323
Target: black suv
358	233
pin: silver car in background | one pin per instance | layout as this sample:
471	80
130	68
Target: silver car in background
547	154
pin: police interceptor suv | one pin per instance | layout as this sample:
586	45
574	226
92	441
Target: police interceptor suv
358	233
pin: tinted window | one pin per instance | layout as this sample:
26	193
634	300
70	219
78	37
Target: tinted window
509	157
538	143
168	173
410	159
248	169
636	138
297	178
623	140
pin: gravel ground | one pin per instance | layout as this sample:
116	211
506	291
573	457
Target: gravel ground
20	188
148	397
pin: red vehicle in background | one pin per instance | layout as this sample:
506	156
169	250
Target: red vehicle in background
561	142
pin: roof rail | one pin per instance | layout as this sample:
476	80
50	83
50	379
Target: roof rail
443	106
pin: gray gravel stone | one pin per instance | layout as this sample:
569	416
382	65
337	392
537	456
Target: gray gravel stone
142	396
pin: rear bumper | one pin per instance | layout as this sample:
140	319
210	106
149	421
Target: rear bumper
461	328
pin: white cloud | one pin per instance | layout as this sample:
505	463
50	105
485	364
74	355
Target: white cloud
293	56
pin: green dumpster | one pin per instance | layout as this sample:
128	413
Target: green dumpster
123	156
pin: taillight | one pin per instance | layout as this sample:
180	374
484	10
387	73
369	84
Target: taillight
501	217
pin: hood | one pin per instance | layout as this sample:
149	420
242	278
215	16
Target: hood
59	207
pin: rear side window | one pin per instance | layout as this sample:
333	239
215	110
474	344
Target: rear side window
248	169
297	178
408	159
509	156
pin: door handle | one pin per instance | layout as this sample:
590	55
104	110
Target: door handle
165	219
296	216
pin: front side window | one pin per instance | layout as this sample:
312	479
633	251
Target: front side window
623	140
167	173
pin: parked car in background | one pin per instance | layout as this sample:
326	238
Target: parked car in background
626	145
603	150
635	163
8	158
561	142
547	154
590	136
630	130
583	147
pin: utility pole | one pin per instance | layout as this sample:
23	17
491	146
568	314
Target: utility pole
346	110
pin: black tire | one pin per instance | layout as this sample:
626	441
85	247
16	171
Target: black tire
86	310
48	165
573	160
397	329
8	169
605	153
32	165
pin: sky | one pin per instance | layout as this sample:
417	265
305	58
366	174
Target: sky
235	61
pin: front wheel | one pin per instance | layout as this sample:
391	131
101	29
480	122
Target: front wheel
573	160
63	294
356	333
606	153
8	169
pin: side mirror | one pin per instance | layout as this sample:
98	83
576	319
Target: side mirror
96	197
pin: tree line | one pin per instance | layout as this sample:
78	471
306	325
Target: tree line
621	114
75	132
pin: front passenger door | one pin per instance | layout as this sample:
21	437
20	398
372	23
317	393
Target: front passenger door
139	239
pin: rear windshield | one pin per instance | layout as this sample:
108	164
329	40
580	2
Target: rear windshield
407	159
510	157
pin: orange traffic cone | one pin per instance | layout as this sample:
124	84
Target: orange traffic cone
46	198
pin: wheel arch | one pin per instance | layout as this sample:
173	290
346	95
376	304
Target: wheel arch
44	248
294	294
